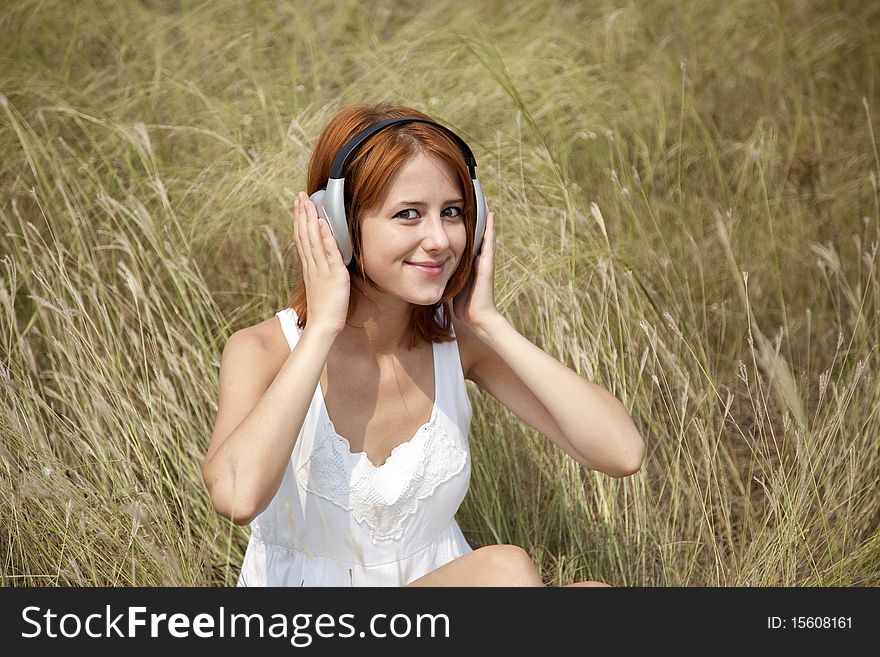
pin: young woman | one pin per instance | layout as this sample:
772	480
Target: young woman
342	430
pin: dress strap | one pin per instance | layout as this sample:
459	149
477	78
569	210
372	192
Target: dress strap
292	332
452	393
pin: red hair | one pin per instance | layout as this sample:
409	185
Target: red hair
367	173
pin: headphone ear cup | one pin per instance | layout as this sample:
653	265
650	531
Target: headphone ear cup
329	205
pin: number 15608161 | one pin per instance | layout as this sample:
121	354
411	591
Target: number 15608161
809	623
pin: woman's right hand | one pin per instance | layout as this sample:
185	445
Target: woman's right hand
326	278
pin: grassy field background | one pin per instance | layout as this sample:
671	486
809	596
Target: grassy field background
686	198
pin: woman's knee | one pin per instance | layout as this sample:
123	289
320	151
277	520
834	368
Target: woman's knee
512	565
588	583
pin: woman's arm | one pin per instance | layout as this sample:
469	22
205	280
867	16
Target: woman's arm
582	418
259	418
585	420
262	408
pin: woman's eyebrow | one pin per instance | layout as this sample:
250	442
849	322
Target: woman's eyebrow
455	200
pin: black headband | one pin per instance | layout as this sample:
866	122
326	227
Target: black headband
363	135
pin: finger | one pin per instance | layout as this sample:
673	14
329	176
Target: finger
331	248
309	265
316	244
296	238
303	238
486	259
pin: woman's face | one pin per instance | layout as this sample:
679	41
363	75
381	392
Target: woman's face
415	238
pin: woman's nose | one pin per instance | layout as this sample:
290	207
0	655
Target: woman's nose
435	237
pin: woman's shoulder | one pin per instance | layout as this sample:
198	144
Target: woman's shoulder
267	335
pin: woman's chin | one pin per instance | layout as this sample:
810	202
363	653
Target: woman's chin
425	299
426	303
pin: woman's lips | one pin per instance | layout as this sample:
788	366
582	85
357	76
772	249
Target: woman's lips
428	270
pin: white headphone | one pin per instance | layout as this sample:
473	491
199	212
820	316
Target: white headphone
330	200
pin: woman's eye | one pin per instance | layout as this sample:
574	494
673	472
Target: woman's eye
452	211
403	212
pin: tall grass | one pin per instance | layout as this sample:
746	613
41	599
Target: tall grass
687	208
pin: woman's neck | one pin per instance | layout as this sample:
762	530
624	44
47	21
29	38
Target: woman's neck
380	326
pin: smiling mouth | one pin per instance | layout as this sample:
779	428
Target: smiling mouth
430	270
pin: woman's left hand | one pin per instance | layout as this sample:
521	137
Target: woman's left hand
475	304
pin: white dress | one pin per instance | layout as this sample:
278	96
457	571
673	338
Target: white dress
338	520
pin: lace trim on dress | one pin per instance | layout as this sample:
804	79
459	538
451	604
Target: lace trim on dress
381	497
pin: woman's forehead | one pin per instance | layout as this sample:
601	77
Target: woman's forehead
427	176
